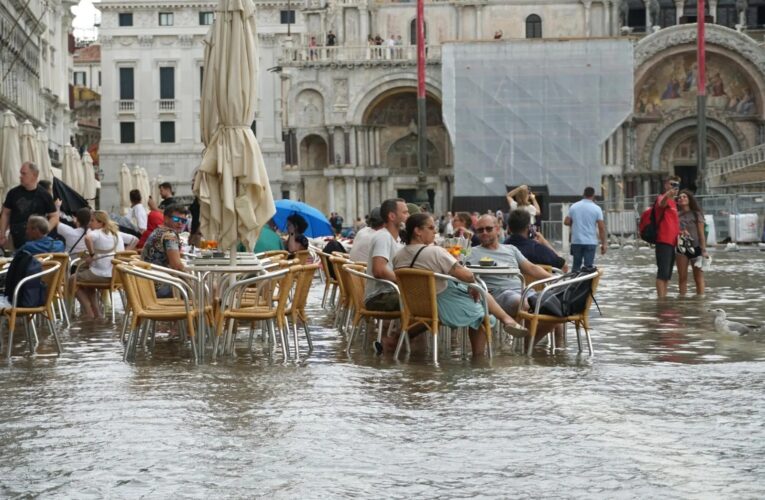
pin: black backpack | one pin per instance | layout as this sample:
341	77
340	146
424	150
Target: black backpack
567	300
32	294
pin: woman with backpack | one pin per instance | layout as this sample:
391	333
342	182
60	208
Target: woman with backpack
101	242
692	245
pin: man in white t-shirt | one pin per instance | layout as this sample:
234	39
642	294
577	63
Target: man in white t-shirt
384	245
137	213
363	239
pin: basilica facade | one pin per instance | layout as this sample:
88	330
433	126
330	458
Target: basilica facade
337	81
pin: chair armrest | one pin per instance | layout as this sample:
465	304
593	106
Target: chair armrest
479	287
249	281
29	278
552	283
177	283
380	280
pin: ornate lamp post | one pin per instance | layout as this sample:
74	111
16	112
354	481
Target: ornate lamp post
701	98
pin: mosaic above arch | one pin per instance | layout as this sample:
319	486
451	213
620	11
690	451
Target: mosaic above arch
670	86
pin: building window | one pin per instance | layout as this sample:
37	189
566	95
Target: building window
206	18
636	19
165	18
99	78
413	32
201	79
127	92
125	18
167	132
127	132
533	26
287	16
80	79
167	83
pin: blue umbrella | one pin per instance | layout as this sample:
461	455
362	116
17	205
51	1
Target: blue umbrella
318	225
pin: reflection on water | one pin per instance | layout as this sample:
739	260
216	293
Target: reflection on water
665	408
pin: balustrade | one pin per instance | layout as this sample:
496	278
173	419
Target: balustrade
365	53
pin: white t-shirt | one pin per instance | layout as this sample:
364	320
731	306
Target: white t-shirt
361	243
104	243
430	258
139	217
531	209
383	245
71	235
129	240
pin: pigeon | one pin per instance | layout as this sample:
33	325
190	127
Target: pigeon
722	325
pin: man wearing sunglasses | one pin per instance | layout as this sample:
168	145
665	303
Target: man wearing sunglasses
668	230
163	247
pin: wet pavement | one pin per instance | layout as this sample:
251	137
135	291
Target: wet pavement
666	408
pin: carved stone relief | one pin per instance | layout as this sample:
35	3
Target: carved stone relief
341	92
310	109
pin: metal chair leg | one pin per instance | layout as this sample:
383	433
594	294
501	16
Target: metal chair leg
297	347
52	328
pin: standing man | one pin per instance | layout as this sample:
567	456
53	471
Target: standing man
167	194
331	39
668	229
25	200
587	226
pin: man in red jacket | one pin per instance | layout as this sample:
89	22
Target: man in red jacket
668	229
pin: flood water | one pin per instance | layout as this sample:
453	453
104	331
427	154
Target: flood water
666	408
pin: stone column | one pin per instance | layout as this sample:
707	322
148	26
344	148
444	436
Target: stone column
383	185
370	146
713	10
648	16
339	158
362	146
478	22
350	196
457	22
606	17
363	25
679	10
587	17
330	193
362	205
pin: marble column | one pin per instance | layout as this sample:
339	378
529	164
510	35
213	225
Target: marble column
362	145
606	18
350	196
339	146
354	159
713	10
362	205
457	22
679	9
330	193
378	149
587	17
383	186
648	16
364	24
478	21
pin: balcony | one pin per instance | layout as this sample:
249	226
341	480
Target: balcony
366	54
126	106
166	105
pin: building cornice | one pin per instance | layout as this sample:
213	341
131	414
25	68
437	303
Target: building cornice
155	4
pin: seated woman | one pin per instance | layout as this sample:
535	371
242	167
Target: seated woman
457	305
74	237
461	224
102	239
296	241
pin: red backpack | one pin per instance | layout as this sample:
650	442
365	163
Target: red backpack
648	227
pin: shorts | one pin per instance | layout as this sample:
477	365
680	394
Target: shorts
508	300
387	301
696	253
665	261
88	276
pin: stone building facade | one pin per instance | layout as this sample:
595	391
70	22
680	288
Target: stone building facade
36	49
336	121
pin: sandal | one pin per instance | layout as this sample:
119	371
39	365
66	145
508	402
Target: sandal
515	330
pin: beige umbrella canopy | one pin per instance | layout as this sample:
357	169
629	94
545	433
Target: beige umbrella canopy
71	168
29	147
10	155
144	185
155	182
126	185
46	169
231	183
88	179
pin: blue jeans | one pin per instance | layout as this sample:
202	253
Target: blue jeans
580	252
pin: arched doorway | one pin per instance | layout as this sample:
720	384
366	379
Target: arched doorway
312	162
680	154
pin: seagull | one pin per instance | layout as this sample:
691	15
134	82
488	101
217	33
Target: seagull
722	325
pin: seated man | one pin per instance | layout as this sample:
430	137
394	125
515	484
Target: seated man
37	239
163	246
505	289
537	250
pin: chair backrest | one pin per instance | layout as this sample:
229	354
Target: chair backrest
63	259
418	292
593	288
527	278
52	280
325	266
302	256
355	285
130	287
337	264
126	254
303	282
285	287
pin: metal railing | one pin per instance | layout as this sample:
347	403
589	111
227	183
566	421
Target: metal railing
734	163
365	53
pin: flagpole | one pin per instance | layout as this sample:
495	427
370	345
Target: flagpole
701	98
422	138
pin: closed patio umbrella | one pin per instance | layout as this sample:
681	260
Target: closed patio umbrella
126	185
88	179
231	183
155	182
29	147
145	185
10	154
70	168
46	169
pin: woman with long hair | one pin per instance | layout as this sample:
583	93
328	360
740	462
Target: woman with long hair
522	198
101	242
296	240
693	246
457	306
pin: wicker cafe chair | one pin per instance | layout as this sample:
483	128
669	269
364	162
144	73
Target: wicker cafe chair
343	307
50	277
60	308
146	309
271	310
110	286
418	294
296	310
330	282
355	279
581	320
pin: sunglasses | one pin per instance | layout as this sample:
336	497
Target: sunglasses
486	229
183	220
